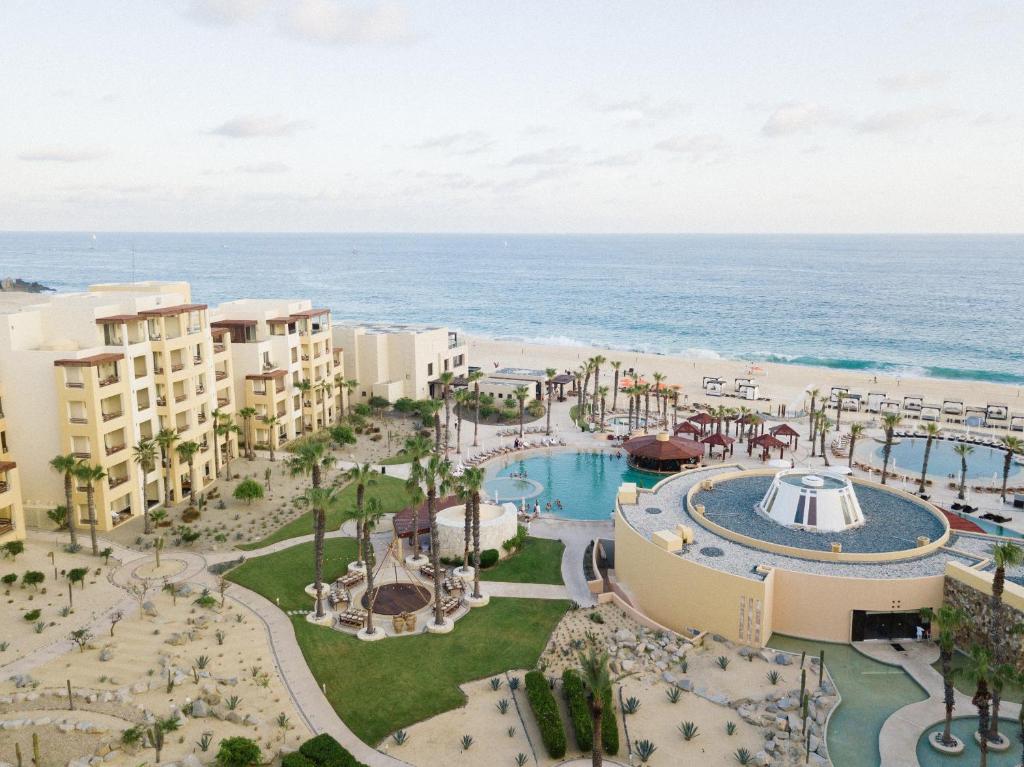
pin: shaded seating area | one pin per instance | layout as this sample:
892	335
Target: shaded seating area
355	617
766	443
786	433
703	420
726	443
413	522
688	427
662	453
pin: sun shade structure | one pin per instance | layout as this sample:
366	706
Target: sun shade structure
688	428
663	454
719	440
766	442
404	521
819	501
787	433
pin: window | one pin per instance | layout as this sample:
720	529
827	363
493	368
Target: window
430	368
446	365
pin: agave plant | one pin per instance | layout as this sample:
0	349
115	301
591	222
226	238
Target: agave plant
496	683
631	705
773	676
521	759
644	750
466	742
503	706
513	683
673	693
511	732
730	728
399	736
688	730
743	756
722	662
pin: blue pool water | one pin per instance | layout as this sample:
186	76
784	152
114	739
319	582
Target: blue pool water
964	727
585	483
983	463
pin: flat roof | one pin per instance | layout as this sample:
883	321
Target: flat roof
91	361
169	311
278	373
233	323
118	318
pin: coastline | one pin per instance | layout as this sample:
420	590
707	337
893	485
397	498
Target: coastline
783	383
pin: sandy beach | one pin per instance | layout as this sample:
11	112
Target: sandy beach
782	384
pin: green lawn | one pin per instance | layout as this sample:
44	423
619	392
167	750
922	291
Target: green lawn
400	457
380	687
390	490
1011	692
284	575
539	561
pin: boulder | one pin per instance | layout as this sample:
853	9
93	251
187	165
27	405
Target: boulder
668	677
783	660
199	708
106	654
149	609
191	761
685	684
624	635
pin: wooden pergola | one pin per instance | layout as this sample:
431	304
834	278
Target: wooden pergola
719	440
791	435
766	442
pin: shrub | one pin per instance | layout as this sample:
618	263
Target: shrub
191	514
238	752
515	542
488	558
579	712
609	725
32	578
645	750
545	710
295	759
32	615
248	490
10	579
325	751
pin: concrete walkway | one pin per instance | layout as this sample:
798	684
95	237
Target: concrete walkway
576	536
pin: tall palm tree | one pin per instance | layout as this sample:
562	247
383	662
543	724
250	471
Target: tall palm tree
598	361
473	483
446	379
90	475
889	423
65	464
602	393
247	414
226	428
351	385
144	454
521	393
549	379
976	671
434	475
218	417
430	409
187	454
362	476
367	519
645	389
1004	555
417	448
840	396
596	679
462	399
950	620
320	500
588	370
824	424
963	450
931	431
310	457
271	422
659	379
616	365
810	422
856	432
325	387
304	387
474	378
1001	675
166	439
1013	446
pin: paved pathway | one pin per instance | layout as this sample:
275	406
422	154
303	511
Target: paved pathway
576	536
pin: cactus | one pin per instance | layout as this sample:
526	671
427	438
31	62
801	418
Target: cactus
36	760
156	739
631	705
722	662
170	683
158	546
644	750
821	667
17	753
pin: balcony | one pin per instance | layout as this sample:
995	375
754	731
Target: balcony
177	368
110	380
193	330
112	416
4	486
200	390
223	401
220	375
183	428
114	449
78	419
201	418
75	384
113	482
155	336
82	454
161	401
180	397
219	348
305	358
268	366
197	360
204	446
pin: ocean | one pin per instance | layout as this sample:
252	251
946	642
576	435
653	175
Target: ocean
936	306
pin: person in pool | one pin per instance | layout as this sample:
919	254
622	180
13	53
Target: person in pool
558	503
547	506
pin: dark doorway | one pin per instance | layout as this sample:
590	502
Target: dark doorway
886	625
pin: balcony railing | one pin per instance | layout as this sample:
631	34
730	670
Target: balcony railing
142	406
200	390
112	416
161	401
4	487
183	428
113	482
204	446
75	384
155	337
222	401
175	368
305	358
114	449
220	375
78	419
193	331
85	454
180	397
201	418
219	348
109	380
197	360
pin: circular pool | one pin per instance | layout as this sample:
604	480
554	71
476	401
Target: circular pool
584	483
983	463
964	727
501	489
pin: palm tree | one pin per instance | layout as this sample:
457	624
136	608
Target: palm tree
595	677
977	671
951	620
856	432
218	416
271	422
840	396
474	378
963	450
166	439
814	398
66	464
521	393
90	475
473	483
616	365
629	419
659	379
1004	555
1013	446
462	399
824	424
588	370
598	361
226	428
417	448
646	388
304	387
325	387
351	385
320	500
889	423
435	476
602	392
309	458
247	414
144	454
362	477
446	379
430	409
549	379
187	454
367	519
931	431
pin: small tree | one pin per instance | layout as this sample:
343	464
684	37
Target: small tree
10	579
32	578
59	516
115	618
13	548
248	490
78	575
238	752
106	554
80	637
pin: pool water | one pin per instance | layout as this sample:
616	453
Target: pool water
871	691
983	463
964	728
585	483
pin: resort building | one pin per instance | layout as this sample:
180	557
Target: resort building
92	374
282	365
503	381
12	518
395	361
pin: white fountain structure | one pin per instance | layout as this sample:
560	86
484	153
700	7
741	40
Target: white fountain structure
818	501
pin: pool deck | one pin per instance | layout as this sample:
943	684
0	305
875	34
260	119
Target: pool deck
897	741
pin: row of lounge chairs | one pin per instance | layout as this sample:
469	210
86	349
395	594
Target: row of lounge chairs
952	436
841	446
351	579
355	616
487	455
526	430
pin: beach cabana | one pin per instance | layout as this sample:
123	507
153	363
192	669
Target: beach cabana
787	432
953	407
766	442
702	419
663	454
719	440
687	427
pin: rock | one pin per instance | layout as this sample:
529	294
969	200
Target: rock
185	590
176	640
102	750
766	655
685	685
761	759
140	687
783	660
199	708
812	741
83	726
668	677
106	654
624	635
230	681
43	721
191	761
149	609
628	666
745	652
66	727
251	720
22	680
233	716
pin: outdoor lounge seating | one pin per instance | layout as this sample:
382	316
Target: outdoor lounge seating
351	579
353	617
454	583
450	605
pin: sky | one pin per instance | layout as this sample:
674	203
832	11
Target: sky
522	116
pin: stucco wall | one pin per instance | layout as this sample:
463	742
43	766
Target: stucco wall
493	532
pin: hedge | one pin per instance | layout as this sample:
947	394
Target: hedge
325	751
295	759
545	711
579	712
488	558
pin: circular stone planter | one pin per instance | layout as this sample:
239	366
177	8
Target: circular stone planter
1002	744
444	628
376	636
935	741
355	567
480	601
466	573
310	590
497	525
327	620
422	559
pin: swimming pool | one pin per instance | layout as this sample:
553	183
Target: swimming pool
585	483
623	421
983	463
964	728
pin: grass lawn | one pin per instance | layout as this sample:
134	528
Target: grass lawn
1011	692
390	490
400	457
539	561
284	575
380	687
